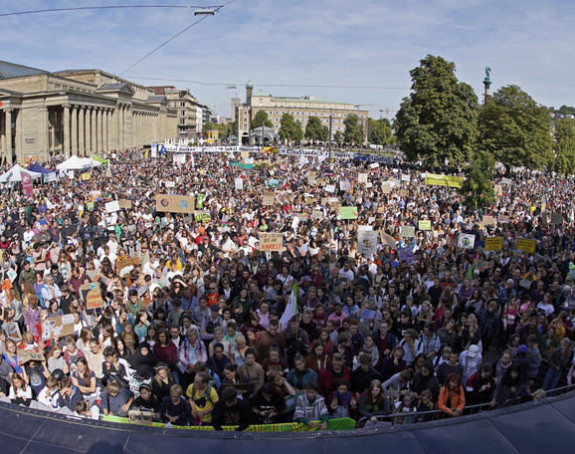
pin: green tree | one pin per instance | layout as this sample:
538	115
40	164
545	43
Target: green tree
477	186
209	126
287	127
338	137
298	131
567	110
564	146
379	131
438	120
315	130
353	133
261	118
515	129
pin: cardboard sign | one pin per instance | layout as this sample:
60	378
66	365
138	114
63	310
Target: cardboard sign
125	204
386	187
362	178
311	177
498	190
317	214
493	243
407	231
387	239
506	181
174	203
488	220
271	242
94	296
130	261
112	206
526	245
424	225
29	355
60	326
348	213
268	199
367	242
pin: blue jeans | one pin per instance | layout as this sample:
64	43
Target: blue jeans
552	378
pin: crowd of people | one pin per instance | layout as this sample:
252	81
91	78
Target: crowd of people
195	329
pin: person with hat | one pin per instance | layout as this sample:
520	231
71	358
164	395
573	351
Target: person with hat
231	411
470	360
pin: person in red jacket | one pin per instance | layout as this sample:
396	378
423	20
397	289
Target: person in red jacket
331	375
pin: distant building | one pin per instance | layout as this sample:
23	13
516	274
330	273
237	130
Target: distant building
80	112
186	106
300	108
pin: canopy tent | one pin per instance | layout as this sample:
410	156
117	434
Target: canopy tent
97	158
38	168
15	174
76	163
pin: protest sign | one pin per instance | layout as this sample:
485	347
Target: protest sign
424	225
488	220
59	326
112	206
125	204
27	186
271	242
85	176
526	245
174	203
443	180
29	355
129	261
466	240
493	243
239	184
329	188
348	213
405	177
362	178
344	185
311	176
407	231
406	255
200	201
94	296
317	214
367	242
374	165
387	239
202	216
268	198
386	187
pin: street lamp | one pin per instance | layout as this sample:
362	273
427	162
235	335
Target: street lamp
204	12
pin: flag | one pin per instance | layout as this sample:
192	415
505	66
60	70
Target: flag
27	183
291	307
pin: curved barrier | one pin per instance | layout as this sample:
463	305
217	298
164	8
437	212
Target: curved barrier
543	426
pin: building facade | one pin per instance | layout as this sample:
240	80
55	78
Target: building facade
300	108
81	112
187	107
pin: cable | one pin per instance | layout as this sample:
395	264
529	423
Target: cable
87	8
197	82
216	9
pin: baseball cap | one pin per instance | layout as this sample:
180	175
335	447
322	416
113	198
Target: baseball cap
473	351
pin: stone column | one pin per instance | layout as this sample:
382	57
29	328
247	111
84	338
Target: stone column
97	129
66	120
94	130
81	131
121	127
105	141
8	149
74	130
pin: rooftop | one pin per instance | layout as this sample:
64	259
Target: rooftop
12	70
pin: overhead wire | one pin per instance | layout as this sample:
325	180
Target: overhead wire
88	8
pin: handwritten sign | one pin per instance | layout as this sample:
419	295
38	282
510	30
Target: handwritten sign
268	198
488	220
367	242
60	326
387	239
94	296
362	178
239	184
526	245
129	261
407	231
271	242
29	355
348	213
424	225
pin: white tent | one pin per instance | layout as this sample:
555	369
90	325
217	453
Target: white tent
76	163
15	174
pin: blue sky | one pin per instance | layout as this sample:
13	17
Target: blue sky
365	43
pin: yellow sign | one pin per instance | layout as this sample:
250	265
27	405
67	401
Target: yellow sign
424	225
526	245
493	243
85	176
443	180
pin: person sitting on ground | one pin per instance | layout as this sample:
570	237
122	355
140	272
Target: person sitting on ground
311	409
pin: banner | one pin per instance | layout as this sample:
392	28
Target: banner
424	225
407	231
466	241
27	184
271	242
526	245
493	243
347	213
443	180
367	242
174	203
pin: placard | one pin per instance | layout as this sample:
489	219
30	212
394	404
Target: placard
525	283
85	176
202	216
329	188
112	206
348	213
268	198
503	219
488	220
466	240
362	178
29	355
407	231
59	326
239	184
526	245
271	242
374	165
344	185
493	243
367	242
94	296
424	225
123	263
405	177
174	203
317	214
386	187
125	204
387	239
311	176
406	255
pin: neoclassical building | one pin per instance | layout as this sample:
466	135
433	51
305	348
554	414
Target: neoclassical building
82	112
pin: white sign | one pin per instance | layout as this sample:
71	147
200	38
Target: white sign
367	242
466	241
239	184
375	165
330	188
344	185
112	206
362	177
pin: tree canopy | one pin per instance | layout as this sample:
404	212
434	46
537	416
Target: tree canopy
288	127
477	187
438	120
315	130
564	146
379	131
261	118
515	129
353	133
